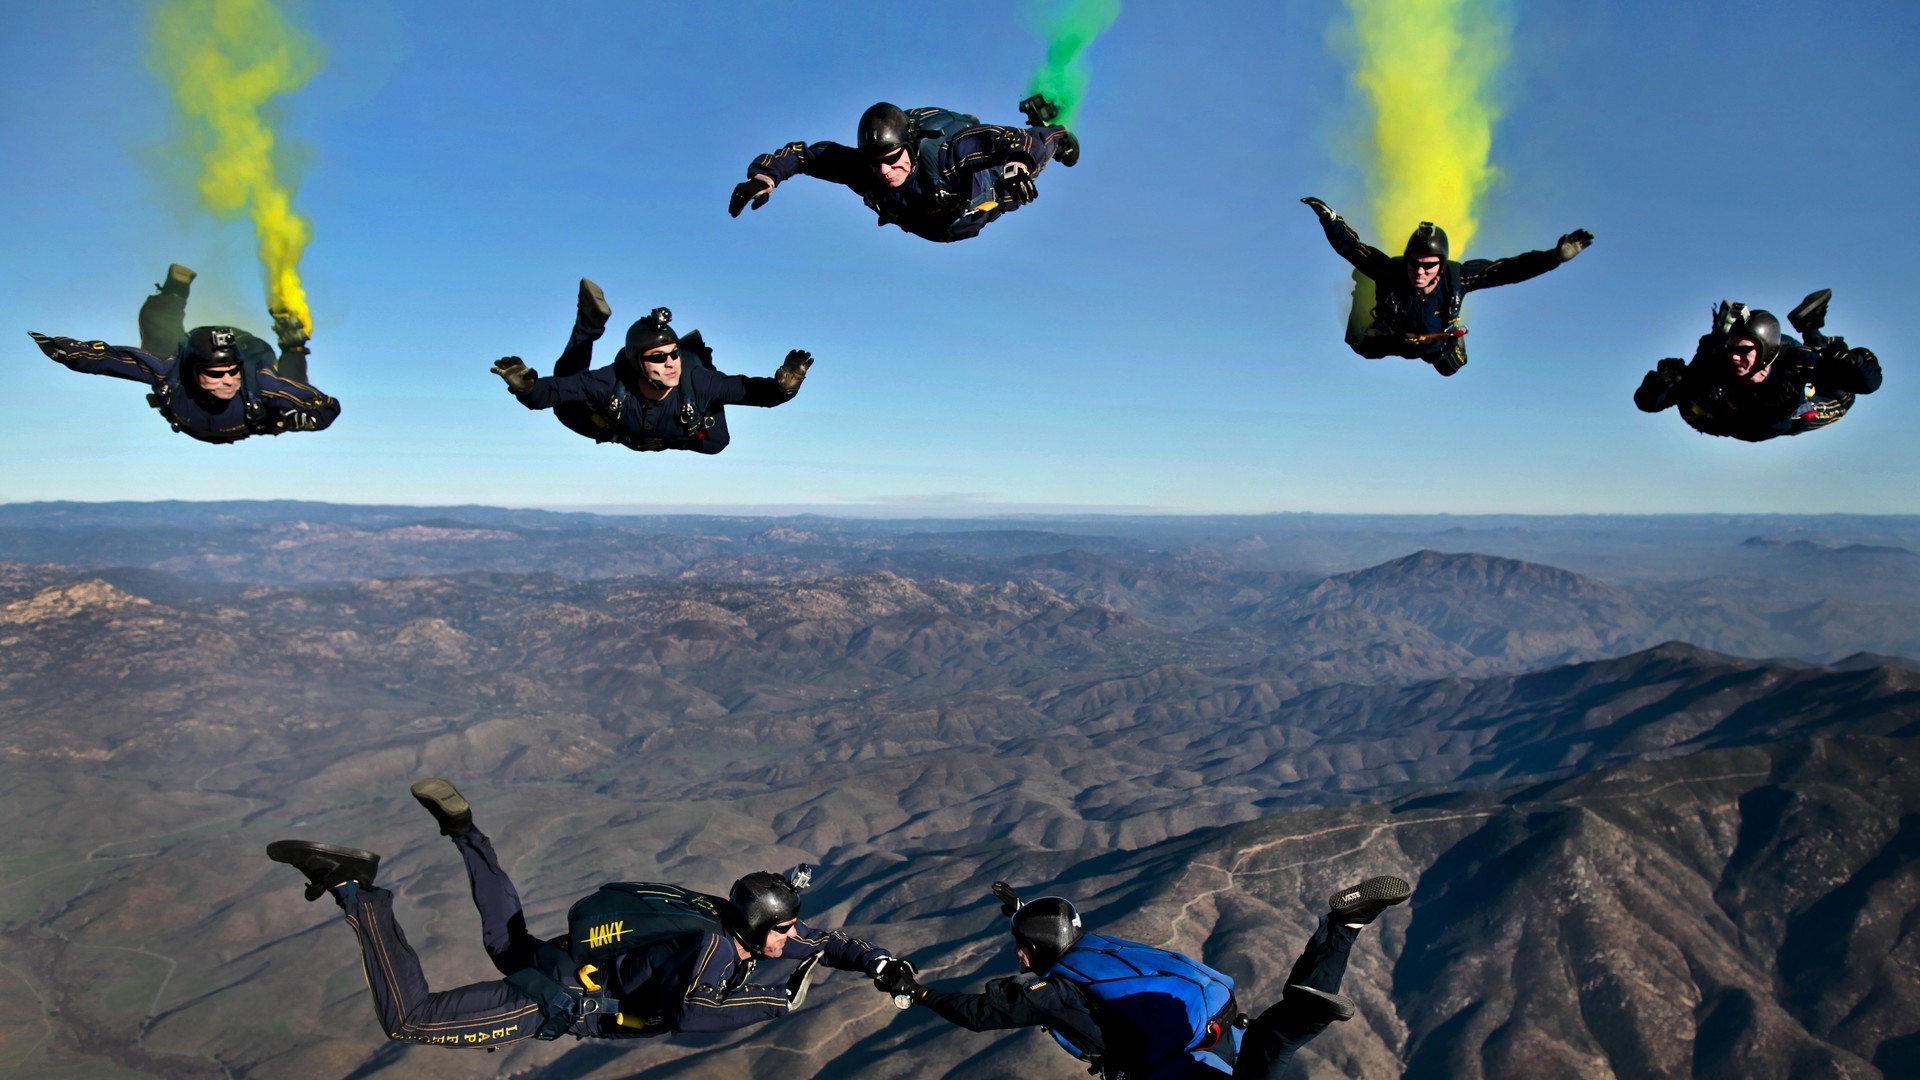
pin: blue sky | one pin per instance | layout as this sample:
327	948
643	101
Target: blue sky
1160	331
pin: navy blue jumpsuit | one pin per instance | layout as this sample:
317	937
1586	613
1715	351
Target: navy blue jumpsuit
1400	318
693	983
604	405
1804	389
194	412
948	175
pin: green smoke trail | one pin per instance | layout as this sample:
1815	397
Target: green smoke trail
1069	28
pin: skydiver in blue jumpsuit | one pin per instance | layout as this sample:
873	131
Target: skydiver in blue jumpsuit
698	982
937	174
1417	295
660	393
1136	1012
217	384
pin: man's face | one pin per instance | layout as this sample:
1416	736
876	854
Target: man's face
662	364
221	382
1743	359
1423	271
777	937
895	167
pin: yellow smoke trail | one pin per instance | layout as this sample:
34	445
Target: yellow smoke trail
224	60
1426	69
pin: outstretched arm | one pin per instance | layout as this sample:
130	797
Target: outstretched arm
827	161
1485	273
748	390
100	358
841	950
1005	1003
299	407
535	392
1365	258
1661	387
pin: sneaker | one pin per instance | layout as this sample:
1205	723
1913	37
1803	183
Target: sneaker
1318	1006
1811	315
594	310
446	804
1364	902
325	865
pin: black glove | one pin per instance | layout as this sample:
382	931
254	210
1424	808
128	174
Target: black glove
793	372
298	421
50	346
756	189
797	982
1321	210
1015	186
888	963
1671	370
1009	900
896	977
519	376
290	330
1573	244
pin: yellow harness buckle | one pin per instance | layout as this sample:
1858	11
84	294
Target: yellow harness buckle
587	972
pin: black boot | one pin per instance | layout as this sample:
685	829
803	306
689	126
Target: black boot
178	280
1364	902
1452	358
1317	1006
325	865
1039	111
594	310
446	804
1069	152
1811	315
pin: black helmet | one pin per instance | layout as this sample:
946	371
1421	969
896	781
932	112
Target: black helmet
1428	239
1761	328
218	346
760	901
651	332
883	129
1046	928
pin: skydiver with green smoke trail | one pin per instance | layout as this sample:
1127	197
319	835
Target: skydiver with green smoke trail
1416	310
935	173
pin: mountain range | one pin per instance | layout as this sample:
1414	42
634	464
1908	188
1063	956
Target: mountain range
1655	828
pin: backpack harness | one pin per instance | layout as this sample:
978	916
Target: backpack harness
1180	1005
930	128
694	419
1392	318
254	354
568	977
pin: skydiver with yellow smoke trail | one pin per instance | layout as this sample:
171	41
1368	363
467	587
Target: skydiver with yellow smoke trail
1416	312
216	384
